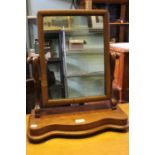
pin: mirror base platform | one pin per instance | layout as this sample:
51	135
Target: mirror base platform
75	124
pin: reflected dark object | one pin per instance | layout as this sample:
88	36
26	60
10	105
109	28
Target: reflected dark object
50	77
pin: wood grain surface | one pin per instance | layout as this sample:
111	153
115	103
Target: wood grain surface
106	143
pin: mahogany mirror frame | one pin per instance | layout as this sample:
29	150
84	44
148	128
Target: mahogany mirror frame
46	102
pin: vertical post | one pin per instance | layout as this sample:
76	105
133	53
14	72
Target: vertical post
88	4
122	28
35	65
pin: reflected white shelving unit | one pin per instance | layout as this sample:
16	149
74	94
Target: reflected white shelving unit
86	65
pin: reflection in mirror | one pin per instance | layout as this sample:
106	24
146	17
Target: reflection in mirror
74	53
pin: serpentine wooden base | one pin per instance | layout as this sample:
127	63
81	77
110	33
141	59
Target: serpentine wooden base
75	123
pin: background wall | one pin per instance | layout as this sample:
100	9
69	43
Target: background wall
35	5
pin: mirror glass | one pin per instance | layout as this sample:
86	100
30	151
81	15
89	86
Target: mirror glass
74	53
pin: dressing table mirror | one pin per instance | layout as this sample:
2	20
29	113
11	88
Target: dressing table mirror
75	75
